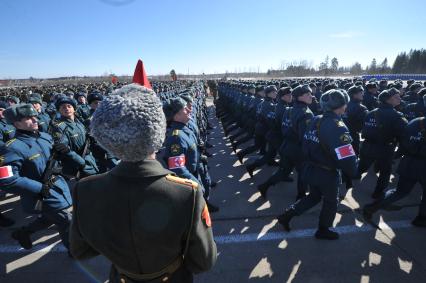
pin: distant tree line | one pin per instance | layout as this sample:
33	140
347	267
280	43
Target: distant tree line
413	62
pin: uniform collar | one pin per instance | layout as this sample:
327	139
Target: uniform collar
145	168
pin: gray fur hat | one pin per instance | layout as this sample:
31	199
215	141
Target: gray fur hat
130	123
333	99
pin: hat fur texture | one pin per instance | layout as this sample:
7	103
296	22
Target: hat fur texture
130	123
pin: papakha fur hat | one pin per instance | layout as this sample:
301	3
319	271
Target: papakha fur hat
130	123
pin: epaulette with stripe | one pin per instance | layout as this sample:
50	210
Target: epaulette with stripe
9	142
182	181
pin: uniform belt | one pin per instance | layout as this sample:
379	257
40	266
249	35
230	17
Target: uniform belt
168	270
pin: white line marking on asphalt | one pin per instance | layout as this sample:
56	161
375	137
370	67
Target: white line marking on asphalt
237	238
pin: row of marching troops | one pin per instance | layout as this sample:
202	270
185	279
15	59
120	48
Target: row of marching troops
330	132
46	146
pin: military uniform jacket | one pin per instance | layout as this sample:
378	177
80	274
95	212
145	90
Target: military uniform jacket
293	127
370	100
354	116
142	220
7	132
384	125
25	159
181	152
43	122
73	134
413	144
327	145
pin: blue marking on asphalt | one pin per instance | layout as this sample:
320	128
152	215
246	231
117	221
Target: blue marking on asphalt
234	239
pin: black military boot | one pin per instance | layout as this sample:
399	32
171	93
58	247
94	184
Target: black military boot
250	168
240	156
368	211
324	233
263	189
419	221
5	221
23	237
285	218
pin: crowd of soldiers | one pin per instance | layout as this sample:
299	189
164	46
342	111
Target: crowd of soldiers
316	125
46	146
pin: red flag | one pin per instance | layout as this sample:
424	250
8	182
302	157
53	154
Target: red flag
114	79
140	75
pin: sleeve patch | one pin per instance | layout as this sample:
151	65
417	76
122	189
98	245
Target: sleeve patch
175	148
205	216
175	162
344	151
6	172
345	138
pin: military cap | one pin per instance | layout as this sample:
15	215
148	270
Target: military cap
270	88
260	88
415	86
284	90
3	104
35	99
94	95
371	85
354	90
410	81
388	93
301	90
252	86
13	98
333	99
173	107
422	92
130	123
80	93
187	96
65	99
16	112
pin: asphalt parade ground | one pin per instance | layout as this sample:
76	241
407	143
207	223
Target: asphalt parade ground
252	246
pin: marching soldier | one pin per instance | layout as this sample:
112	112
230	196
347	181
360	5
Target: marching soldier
43	118
71	142
152	210
382	130
181	154
355	114
329	153
24	166
411	170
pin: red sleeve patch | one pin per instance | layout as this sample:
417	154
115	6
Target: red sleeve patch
205	216
344	151
176	162
6	172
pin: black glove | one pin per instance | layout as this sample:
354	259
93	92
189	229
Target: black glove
61	148
45	191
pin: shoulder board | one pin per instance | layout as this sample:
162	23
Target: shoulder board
340	123
182	181
60	124
9	142
175	132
